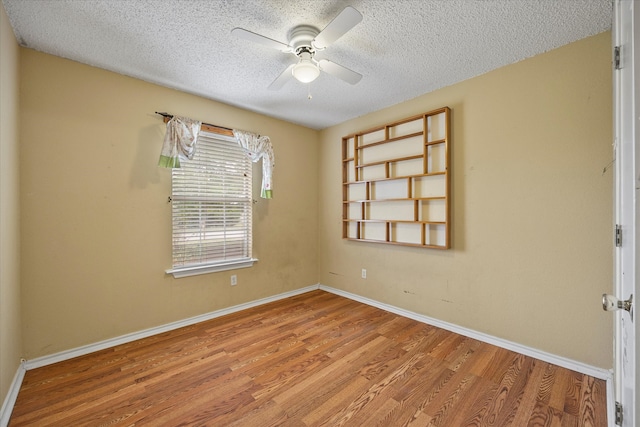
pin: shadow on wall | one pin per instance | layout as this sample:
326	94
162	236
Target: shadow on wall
145	168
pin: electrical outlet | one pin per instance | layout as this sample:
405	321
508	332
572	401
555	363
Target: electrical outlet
234	280
364	273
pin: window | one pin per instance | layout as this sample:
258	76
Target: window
211	199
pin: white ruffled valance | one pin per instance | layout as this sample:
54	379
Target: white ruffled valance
179	141
182	136
259	147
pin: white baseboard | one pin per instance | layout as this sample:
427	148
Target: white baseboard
12	395
564	362
611	402
123	339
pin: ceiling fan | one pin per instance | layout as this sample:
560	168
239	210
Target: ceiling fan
304	42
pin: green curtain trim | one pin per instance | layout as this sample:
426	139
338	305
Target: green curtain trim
266	194
169	162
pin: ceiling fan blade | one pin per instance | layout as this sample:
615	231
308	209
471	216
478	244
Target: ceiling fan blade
257	38
284	77
346	20
339	71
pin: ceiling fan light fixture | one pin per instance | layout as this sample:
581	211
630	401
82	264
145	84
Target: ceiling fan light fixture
305	70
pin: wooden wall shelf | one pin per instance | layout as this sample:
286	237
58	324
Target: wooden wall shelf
396	182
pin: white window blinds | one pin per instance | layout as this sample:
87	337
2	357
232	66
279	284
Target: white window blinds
211	206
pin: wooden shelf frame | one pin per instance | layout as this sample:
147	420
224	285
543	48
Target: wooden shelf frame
378	157
398	199
395	178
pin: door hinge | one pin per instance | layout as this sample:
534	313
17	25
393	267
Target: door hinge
618	414
618	236
616	58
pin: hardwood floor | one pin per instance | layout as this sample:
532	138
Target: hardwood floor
316	359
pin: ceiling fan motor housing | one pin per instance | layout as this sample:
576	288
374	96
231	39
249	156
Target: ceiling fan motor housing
301	37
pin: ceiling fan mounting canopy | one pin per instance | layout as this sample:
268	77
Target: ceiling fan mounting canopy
304	42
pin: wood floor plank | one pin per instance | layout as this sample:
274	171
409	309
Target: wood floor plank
446	407
569	420
301	405
528	399
495	370
283	376
320	415
559	389
419	419
268	414
373	394
315	359
593	396
545	416
470	410
317	379
463	354
362	407
421	389
573	394
546	385
383	415
483	356
498	410
515	396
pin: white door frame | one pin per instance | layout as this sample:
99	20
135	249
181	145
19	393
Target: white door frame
626	26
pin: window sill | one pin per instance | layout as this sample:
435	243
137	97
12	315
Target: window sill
210	268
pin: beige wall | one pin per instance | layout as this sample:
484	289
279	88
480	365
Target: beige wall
532	209
532	248
96	230
10	329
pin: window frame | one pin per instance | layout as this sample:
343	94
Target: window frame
179	271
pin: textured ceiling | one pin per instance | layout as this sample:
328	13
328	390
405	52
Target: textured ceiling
403	48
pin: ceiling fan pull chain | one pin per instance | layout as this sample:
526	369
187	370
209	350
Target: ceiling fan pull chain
309	91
